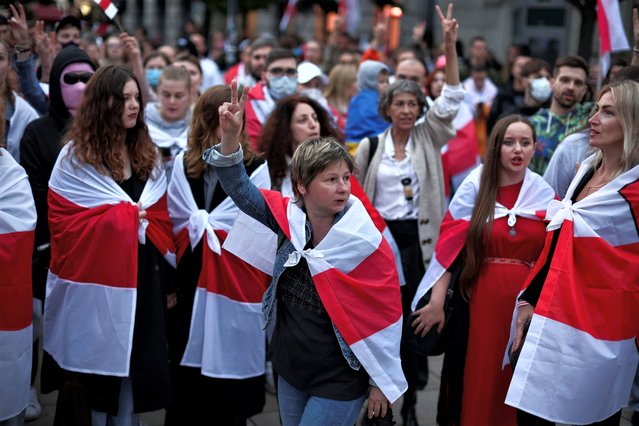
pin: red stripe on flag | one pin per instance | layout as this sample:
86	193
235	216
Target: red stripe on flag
604	31
278	206
370	292
104	4
87	243
230	276
15	285
452	239
160	226
463	149
358	191
592	286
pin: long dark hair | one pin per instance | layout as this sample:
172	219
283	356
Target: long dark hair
276	139
481	221
99	133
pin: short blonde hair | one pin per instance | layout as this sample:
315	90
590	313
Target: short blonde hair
312	157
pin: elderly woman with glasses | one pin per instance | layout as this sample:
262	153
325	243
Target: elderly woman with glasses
402	174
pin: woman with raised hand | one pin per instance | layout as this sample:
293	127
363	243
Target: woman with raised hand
111	244
326	347
401	172
581	301
217	344
168	118
491	235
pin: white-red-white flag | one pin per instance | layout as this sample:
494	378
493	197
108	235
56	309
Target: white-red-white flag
109	8
579	358
226	336
354	273
612	36
17	225
92	283
289	12
534	196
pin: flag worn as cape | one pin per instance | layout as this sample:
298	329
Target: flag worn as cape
91	287
534	196
579	358
17	228
226	337
354	273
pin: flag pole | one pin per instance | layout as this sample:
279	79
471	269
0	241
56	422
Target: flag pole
117	21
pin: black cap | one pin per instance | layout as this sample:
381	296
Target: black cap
184	44
67	21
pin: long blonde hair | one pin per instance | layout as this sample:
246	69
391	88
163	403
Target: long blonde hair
340	79
625	98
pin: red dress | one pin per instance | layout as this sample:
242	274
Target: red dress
508	261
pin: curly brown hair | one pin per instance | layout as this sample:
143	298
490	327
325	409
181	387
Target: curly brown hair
98	132
205	121
276	139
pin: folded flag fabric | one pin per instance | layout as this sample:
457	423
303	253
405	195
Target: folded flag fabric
534	196
226	337
91	287
354	273
580	355
17	228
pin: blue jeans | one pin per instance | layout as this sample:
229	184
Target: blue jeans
299	408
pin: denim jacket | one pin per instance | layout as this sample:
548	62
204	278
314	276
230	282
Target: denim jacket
236	183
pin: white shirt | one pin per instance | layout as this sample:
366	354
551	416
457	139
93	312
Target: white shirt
486	95
390	198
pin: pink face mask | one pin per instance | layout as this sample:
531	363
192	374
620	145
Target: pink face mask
72	83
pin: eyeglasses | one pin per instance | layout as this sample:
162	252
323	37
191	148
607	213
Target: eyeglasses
278	72
74	77
114	45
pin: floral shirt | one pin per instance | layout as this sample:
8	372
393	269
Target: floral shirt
551	131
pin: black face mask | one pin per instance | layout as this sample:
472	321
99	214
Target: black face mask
70	44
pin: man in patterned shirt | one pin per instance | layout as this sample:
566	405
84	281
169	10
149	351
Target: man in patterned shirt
566	113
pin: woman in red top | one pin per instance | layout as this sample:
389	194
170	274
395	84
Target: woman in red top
493	233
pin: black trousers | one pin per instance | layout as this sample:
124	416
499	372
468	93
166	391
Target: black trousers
527	419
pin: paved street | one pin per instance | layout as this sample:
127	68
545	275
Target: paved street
426	406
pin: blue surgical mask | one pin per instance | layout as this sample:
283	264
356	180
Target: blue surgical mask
281	87
153	76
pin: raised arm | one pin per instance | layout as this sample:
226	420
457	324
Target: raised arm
450	27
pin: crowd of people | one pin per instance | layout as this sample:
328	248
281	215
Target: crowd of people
185	234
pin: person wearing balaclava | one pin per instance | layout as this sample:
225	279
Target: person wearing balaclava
279	80
39	149
363	117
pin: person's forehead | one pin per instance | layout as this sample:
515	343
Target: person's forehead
412	68
261	51
571	72
283	63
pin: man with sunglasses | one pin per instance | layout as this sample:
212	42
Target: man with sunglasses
279	80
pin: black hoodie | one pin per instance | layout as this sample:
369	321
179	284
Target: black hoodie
39	149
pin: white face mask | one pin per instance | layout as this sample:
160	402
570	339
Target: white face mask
281	87
313	93
540	89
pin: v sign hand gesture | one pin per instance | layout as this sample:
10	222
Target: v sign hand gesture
448	23
231	119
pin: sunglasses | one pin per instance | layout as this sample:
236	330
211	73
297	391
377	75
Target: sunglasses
74	77
278	72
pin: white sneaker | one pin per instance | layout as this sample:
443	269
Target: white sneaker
33	409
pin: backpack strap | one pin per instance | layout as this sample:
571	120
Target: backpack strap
374	141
